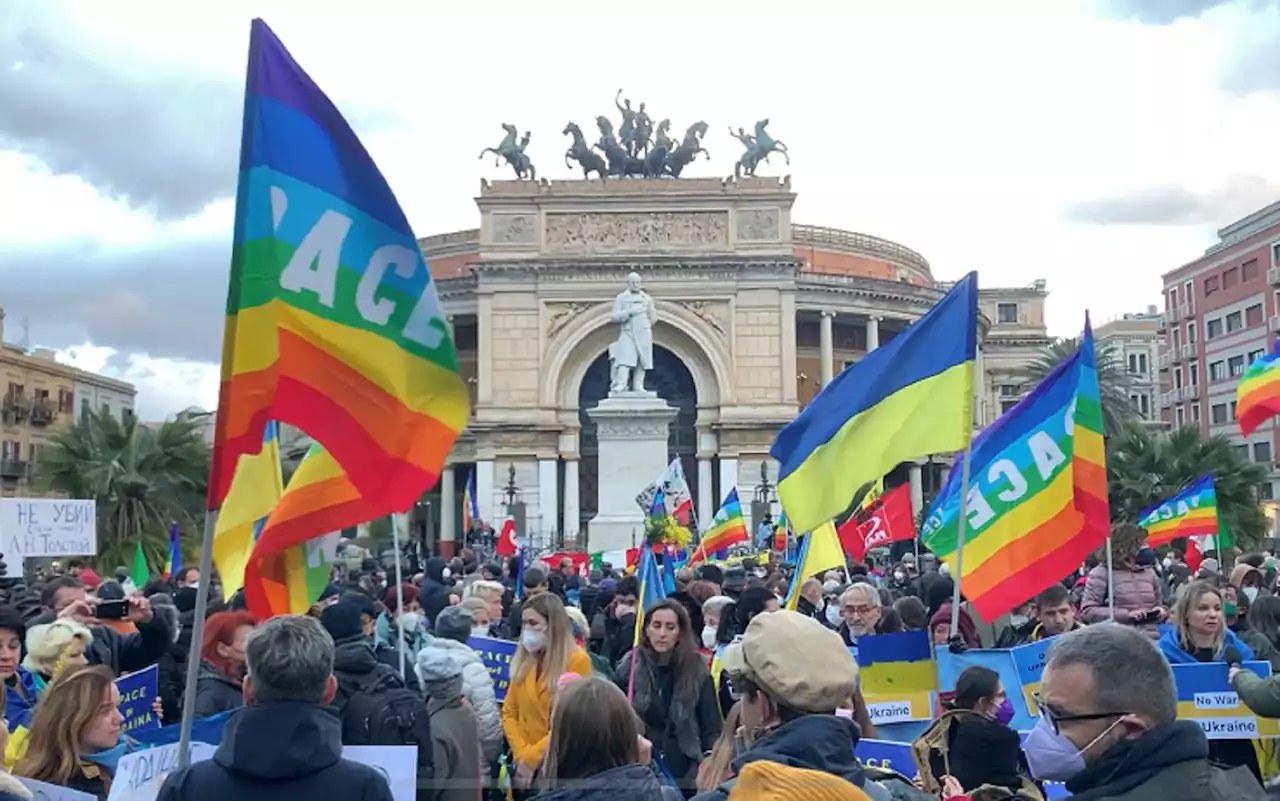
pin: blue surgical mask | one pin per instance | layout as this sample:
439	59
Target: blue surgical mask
1054	758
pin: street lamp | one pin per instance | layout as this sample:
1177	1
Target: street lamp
515	506
762	502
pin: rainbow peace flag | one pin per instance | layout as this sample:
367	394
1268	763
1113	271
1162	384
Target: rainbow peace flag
293	555
1258	393
255	491
1192	512
728	527
333	324
1037	502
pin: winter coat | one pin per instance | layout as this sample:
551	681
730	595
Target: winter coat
681	725
386	636
216	692
272	752
1177	655
13	790
625	783
355	666
455	737
1262	696
1137	591
477	687
1263	648
20	698
1167	763
526	712
390	656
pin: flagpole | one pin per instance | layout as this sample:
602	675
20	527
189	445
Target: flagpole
1111	584
197	636
395	544
960	526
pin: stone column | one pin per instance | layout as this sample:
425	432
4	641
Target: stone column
484	493
548	498
572	503
915	475
825	347
448	513
707	501
873	333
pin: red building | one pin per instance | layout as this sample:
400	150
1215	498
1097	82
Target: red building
1221	314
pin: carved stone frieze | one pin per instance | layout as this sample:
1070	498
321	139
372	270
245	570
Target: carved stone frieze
601	232
711	312
514	229
758	225
562	314
748	440
633	429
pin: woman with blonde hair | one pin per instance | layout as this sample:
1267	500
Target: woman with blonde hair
545	652
491	593
596	749
717	768
76	736
55	647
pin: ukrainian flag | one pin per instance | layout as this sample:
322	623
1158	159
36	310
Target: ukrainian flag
651	590
256	488
819	552
905	400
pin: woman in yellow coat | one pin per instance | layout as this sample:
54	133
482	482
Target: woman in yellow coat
546	652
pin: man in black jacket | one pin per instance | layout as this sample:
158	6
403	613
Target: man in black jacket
534	583
123	653
348	637
284	744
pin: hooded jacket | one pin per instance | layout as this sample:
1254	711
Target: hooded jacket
443	656
271	752
215	692
1176	655
455	738
624	783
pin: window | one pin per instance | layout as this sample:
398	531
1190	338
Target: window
1195	374
1243	450
9	451
1210	285
1177	378
1253	315
84	409
1007	312
1265	492
1249	270
1235	366
31	452
1233	410
1254	355
1262	452
1142	363
1177	339
1009	396
1218	414
1230	277
1133	362
1133	401
1191	333
66	401
1144	405
1275	255
1234	322
1217	371
1173	297
1195	412
1213	328
1181	417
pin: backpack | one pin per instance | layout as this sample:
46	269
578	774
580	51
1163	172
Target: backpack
385	712
936	740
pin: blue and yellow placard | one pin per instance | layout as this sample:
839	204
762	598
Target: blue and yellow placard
497	656
898	676
138	693
1029	661
1205	696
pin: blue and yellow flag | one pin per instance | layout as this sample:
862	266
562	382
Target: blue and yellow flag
819	552
256	488
905	400
651	590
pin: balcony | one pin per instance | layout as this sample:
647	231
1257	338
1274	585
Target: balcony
1166	400
1275	323
42	412
1171	314
1188	350
1273	276
1185	311
1162	322
1163	360
15	408
13	469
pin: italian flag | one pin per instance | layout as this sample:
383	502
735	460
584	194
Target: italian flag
1201	544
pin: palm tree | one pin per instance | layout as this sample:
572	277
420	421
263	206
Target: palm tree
1113	377
142	479
1144	468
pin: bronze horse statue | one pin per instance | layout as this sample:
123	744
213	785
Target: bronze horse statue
759	152
581	152
513	152
688	150
621	164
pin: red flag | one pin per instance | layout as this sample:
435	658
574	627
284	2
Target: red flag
1193	557
888	520
507	539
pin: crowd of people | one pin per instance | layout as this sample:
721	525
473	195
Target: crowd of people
722	696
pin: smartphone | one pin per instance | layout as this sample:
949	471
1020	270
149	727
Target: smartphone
111	610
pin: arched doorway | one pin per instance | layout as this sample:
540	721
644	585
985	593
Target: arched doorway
674	384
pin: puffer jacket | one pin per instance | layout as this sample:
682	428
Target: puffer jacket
215	692
477	688
1137	591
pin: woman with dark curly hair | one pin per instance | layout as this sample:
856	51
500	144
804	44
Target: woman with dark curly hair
1138	598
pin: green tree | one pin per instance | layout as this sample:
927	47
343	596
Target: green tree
1145	467
142	478
1113	378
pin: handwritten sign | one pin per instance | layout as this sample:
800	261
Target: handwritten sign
43	791
497	656
140	775
398	764
1029	661
31	527
897	676
1205	696
138	692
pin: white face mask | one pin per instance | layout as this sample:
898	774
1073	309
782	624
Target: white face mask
708	637
899	576
1168	562
1251	593
532	640
479	631
833	614
446	574
410	621
1018	621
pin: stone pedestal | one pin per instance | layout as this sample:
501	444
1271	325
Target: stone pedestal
632	429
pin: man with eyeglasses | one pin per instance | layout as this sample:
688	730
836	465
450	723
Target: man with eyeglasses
863	615
1108	725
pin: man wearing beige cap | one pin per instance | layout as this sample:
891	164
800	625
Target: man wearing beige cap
791	674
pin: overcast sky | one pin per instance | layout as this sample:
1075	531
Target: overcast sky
1093	143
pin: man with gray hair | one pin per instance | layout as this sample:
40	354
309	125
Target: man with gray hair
1109	729
284	743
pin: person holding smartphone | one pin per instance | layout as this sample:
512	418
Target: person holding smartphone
65	597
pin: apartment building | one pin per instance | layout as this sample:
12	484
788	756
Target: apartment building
40	399
1017	336
1221	314
1135	340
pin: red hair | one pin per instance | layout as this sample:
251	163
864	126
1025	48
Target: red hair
220	629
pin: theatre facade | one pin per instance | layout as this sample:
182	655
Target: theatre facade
754	314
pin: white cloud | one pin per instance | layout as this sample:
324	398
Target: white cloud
165	386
